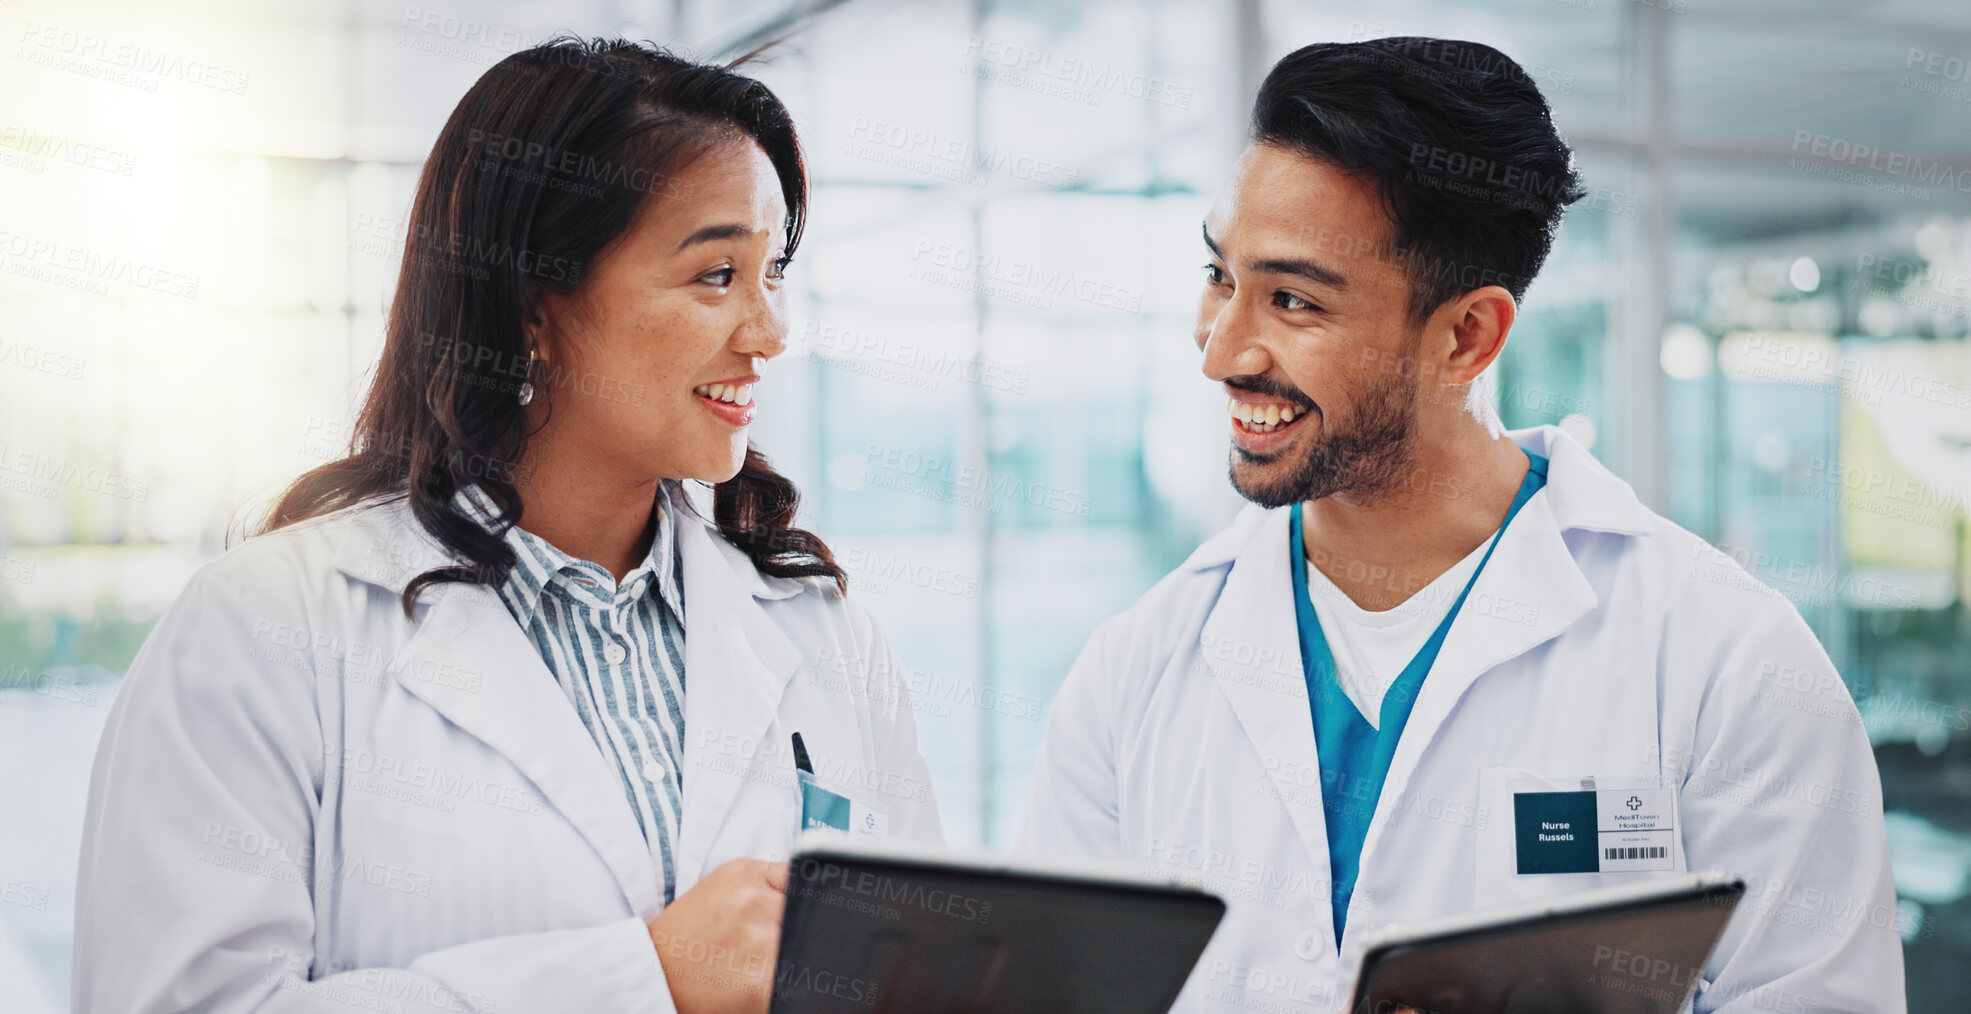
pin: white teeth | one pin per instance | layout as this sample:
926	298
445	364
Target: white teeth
1262	418
731	394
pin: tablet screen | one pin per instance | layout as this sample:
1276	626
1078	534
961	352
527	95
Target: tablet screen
1635	957
875	933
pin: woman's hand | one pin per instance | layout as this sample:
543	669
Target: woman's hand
718	941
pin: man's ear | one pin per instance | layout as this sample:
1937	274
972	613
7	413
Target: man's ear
1479	322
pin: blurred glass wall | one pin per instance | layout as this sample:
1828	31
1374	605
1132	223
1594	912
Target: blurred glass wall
1758	317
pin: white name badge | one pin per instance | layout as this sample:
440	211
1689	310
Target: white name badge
867	819
823	807
1635	829
1585	824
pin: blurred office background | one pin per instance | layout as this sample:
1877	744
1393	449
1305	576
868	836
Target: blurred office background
1758	317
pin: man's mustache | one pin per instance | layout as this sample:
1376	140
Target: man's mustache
1262	384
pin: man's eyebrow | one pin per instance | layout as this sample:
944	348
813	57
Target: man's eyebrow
1313	271
712	232
1310	270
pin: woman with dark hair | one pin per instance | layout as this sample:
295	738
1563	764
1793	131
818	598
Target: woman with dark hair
488	716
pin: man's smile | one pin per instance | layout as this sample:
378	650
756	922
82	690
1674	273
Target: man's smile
1261	423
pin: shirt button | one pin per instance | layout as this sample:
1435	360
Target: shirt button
1307	946
614	653
652	773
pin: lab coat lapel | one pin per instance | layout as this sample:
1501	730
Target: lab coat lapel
1529	592
737	664
471	662
1251	645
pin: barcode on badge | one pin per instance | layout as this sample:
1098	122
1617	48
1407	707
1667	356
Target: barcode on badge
1651	852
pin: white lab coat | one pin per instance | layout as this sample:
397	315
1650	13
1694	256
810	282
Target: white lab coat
1600	640
298	783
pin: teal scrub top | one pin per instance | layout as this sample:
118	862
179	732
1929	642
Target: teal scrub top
1354	755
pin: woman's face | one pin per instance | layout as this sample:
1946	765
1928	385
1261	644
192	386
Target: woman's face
651	362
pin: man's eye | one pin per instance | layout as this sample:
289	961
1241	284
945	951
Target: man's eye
1289	301
1214	275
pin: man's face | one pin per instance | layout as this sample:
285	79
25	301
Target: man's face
1304	319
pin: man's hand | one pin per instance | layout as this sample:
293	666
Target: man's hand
717	942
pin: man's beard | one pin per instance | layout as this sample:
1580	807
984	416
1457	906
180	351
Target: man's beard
1366	460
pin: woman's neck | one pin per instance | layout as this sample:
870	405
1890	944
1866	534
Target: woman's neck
582	510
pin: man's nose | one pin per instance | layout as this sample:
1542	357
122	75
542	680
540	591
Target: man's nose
1229	348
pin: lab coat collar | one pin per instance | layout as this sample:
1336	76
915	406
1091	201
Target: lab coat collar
471	662
1581	492
760	586
381	543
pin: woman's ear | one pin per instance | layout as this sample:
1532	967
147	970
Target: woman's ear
544	312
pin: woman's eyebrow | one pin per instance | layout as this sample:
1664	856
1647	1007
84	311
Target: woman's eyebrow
712	232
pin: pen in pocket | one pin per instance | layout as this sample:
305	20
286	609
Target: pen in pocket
819	806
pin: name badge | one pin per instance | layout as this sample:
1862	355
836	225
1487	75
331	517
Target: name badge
1594	831
822	807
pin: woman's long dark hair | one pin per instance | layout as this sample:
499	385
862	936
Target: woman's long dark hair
544	163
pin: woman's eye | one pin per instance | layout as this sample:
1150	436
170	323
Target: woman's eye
1289	301
1214	275
721	278
779	268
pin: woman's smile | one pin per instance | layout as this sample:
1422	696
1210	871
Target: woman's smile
730	400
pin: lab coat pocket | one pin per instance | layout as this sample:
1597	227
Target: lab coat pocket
1553	835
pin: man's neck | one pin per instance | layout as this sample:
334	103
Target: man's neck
589	518
1453	496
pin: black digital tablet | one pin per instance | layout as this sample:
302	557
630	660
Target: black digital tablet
1635	949
876	926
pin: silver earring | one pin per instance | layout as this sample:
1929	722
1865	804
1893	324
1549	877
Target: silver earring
527	386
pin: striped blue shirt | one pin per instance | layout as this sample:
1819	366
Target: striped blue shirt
617	650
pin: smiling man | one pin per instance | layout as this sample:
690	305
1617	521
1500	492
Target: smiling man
1360	703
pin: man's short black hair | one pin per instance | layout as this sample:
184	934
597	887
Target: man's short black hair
1458	140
